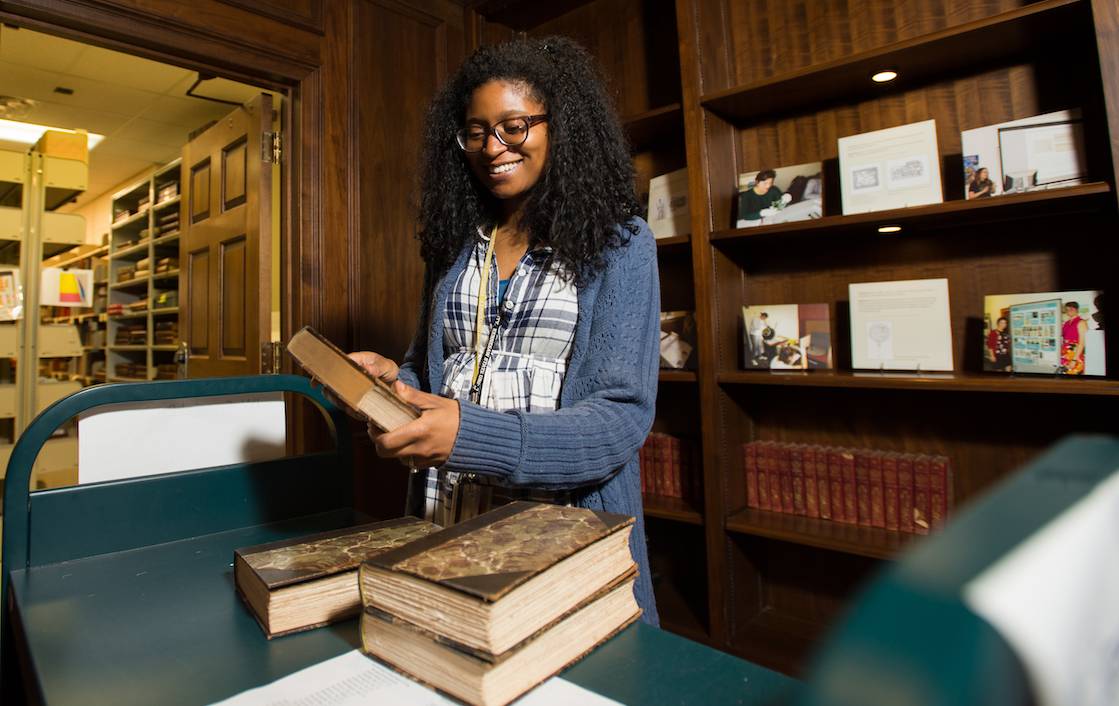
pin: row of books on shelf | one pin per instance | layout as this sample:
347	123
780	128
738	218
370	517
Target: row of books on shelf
667	468
901	492
897	167
906	325
483	611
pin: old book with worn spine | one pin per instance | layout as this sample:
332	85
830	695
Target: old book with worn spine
364	393
477	677
500	577
302	583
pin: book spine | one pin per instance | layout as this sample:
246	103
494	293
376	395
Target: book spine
922	509
835	485
796	464
890	490
811	486
660	476
905	493
877	491
676	474
774	477
763	475
862	486
850	488
643	462
941	482
822	482
788	503
750	462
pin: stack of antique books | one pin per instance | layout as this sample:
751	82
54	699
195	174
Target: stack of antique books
489	608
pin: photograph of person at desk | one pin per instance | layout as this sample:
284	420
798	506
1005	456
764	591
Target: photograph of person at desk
786	337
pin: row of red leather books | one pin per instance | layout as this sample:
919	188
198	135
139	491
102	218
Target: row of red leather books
667	469
895	491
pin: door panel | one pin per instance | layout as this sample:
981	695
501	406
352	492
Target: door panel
228	239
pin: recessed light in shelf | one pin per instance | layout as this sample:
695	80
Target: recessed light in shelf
889	229
884	76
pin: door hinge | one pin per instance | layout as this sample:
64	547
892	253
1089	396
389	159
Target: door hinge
271	357
272	148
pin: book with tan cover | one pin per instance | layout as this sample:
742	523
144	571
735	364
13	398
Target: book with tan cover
499	577
355	387
304	582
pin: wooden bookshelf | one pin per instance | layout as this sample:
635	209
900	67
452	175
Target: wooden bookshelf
939	382
650	127
678	375
668	508
991	41
836	536
947	216
728	94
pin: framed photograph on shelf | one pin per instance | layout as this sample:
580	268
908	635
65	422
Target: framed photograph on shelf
11	295
780	195
893	168
786	337
1039	152
901	325
669	215
1048	333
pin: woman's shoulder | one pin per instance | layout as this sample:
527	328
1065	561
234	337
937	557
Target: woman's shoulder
637	243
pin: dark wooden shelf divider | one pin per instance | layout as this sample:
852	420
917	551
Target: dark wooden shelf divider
667	508
941	216
649	128
674	242
942	382
678	376
986	42
871	542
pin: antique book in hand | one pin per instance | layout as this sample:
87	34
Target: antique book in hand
477	677
492	581
302	583
363	392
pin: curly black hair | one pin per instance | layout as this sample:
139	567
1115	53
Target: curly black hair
586	188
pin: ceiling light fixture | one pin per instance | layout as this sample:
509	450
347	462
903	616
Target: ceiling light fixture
29	133
884	76
889	229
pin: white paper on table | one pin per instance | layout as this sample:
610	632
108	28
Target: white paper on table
353	679
1053	599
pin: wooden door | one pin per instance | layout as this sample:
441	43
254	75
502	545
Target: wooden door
225	250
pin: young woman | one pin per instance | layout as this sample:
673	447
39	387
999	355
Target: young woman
527	206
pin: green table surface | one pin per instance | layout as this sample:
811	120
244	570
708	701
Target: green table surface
163	625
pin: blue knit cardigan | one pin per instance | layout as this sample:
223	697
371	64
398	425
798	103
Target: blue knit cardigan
590	444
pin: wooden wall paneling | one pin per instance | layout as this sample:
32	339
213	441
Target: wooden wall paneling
403	52
238	43
305	14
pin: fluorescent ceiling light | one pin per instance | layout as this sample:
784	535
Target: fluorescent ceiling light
29	133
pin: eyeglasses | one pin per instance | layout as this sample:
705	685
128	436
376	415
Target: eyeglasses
509	132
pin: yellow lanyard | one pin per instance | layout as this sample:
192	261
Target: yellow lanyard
483	298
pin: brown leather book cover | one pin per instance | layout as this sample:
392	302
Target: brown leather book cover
750	461
922	501
292	561
862	486
890	490
811	482
493	553
941	491
835	485
362	392
796	470
373	612
763	476
877	491
823	484
785	463
905	493
848	463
